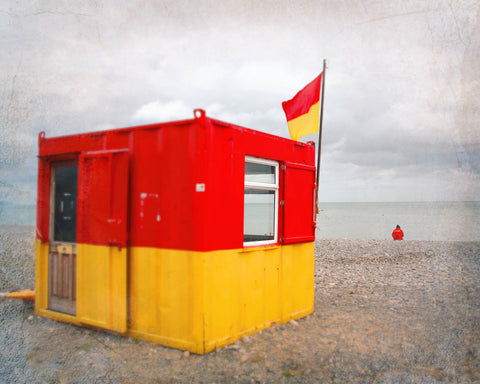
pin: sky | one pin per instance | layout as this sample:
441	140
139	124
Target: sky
401	109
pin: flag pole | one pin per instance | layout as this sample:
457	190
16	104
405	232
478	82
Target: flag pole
322	91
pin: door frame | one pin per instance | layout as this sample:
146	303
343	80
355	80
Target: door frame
62	263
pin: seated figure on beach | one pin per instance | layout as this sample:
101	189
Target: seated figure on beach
397	233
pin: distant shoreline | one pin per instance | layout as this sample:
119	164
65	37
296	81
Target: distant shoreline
17	228
8	228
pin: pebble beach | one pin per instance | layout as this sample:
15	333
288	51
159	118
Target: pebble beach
385	312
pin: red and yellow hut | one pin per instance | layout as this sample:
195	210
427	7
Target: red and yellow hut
189	234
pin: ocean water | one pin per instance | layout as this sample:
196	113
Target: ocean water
15	214
420	221
457	221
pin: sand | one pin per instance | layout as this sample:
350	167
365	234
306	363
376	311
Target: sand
385	312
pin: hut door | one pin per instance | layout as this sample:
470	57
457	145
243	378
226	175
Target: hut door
62	256
102	239
298	209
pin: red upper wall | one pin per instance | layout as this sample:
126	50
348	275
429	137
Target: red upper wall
184	182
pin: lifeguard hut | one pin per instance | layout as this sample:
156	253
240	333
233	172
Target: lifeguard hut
189	234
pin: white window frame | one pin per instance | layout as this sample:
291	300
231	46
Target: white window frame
266	187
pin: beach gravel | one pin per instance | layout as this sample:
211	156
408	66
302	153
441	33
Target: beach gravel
385	312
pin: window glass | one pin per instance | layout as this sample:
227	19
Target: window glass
259	215
259	173
65	207
260	201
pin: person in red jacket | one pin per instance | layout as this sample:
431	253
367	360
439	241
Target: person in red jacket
397	233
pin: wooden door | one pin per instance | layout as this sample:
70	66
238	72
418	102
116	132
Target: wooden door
62	256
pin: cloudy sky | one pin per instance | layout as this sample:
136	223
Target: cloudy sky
401	118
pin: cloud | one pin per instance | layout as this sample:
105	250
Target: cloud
401	88
268	120
158	111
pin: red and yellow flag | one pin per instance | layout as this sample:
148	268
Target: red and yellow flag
303	110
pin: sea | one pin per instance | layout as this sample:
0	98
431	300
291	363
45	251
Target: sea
451	221
16	214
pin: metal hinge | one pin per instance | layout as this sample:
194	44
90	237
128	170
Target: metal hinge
283	167
282	203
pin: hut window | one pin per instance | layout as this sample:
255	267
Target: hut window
260	201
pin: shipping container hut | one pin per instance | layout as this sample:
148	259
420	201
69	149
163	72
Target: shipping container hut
189	234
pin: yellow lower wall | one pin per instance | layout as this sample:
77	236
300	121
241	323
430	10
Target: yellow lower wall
101	287
41	275
194	301
165	291
247	290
